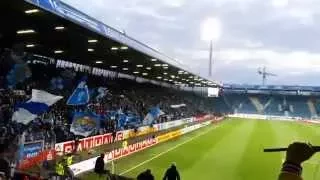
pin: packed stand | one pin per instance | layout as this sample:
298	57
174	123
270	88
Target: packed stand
123	95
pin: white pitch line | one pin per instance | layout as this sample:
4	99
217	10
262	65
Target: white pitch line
164	152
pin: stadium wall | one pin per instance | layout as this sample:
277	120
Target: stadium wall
63	148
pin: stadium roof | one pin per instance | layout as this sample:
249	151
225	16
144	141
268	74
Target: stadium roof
54	29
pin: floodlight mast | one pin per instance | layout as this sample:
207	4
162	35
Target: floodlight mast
211	31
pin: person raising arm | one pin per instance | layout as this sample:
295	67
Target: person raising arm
297	153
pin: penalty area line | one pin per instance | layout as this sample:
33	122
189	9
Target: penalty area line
171	149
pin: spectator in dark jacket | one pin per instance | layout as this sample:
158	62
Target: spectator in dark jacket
146	175
99	166
172	173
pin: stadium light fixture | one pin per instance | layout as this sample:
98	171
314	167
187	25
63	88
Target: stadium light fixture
99	62
183	79
153	60
92	41
190	77
139	65
172	76
59	28
157	65
58	51
165	67
30	45
136	72
125	61
113	67
114	48
144	74
159	77
90	50
170	80
31	11
185	73
125	69
123	47
26	31
165	79
165	73
211	29
148	68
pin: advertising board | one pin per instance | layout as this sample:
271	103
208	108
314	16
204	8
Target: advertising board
87	165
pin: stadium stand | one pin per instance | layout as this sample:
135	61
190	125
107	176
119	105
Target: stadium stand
36	51
268	102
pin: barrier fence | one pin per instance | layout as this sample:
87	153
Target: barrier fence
36	152
87	165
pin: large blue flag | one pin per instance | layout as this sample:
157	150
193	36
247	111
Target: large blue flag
84	124
153	114
80	95
38	104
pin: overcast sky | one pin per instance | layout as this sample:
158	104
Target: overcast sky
283	35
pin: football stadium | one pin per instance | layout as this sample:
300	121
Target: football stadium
82	100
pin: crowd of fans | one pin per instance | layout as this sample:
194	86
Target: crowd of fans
122	94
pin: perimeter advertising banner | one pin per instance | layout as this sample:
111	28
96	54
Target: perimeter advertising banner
89	143
34	153
95	141
88	165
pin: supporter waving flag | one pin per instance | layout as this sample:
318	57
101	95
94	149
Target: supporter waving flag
102	92
84	124
38	104
153	114
80	95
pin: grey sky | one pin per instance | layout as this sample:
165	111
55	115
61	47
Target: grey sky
283	35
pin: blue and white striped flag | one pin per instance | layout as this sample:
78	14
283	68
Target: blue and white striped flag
38	104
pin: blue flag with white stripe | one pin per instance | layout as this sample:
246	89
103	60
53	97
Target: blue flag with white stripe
38	104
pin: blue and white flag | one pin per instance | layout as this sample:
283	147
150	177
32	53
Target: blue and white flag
102	92
80	95
38	104
18	74
153	114
84	124
57	83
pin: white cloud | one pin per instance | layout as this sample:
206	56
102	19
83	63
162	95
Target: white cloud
280	3
280	34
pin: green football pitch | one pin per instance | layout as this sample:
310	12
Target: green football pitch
230	150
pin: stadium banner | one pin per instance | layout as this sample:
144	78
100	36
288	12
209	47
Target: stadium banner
204	117
95	141
168	136
142	131
33	153
171	124
264	117
89	164
89	142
